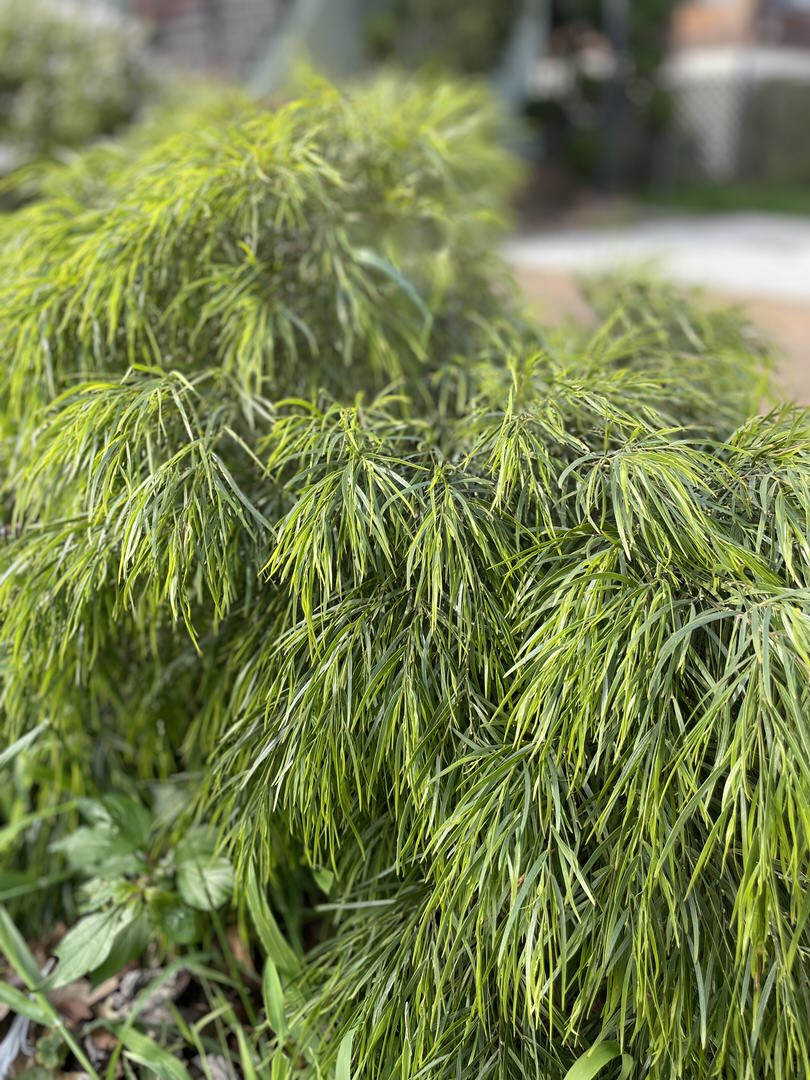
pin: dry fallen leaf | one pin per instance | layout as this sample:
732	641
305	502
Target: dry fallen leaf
99	1045
72	1001
103	990
77	1001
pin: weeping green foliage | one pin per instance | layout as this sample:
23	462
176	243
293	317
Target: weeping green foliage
285	248
503	639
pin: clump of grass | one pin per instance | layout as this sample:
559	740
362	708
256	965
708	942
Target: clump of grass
502	642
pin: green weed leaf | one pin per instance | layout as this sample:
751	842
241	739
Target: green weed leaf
16	951
22	1005
205	882
99	849
594	1060
87	945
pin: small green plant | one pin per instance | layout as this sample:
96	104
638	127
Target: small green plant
137	1012
152	892
488	649
140	886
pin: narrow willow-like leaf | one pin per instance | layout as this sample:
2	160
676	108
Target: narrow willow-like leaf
500	638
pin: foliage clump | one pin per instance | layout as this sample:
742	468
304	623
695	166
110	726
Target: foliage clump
69	72
495	643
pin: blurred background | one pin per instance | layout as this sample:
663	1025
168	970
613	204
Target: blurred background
674	132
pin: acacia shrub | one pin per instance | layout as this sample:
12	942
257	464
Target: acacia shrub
205	271
499	638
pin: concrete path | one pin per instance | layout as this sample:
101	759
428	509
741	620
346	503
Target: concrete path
757	255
